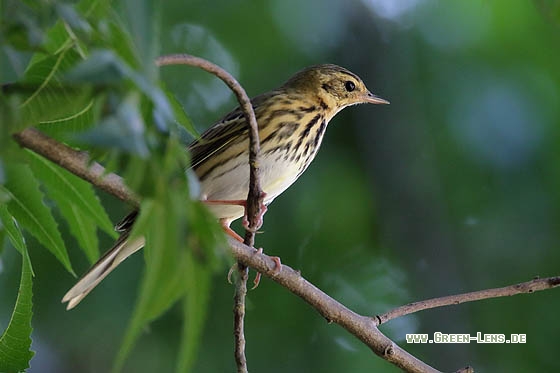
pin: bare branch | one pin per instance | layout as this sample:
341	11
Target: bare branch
76	162
521	288
239	317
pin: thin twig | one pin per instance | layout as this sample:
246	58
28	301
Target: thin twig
76	162
239	317
254	197
521	288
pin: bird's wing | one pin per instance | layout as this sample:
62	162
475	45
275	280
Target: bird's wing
217	137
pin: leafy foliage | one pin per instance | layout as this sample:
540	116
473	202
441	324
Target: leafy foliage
15	342
88	84
27	206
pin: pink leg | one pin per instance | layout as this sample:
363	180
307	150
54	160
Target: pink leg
243	203
225	225
230	232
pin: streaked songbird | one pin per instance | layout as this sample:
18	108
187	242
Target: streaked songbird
292	121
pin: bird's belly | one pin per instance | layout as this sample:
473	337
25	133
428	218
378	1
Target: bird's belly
231	183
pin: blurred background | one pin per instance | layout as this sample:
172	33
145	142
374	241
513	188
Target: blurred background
454	187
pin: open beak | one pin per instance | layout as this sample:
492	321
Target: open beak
373	99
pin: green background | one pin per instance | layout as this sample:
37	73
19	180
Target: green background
453	187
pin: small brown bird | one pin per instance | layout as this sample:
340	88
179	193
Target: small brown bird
292	120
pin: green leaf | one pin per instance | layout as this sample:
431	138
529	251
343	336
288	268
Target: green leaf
195	309
83	228
125	130
179	114
45	98
100	67
13	232
44	95
27	206
164	280
72	19
121	43
69	190
15	342
106	67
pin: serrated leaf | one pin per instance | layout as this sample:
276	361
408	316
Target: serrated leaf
64	186
80	119
27	206
15	342
45	98
82	228
195	309
11	229
43	69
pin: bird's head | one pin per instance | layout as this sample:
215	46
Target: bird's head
335	86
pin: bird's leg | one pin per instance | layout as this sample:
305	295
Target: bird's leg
230	232
225	226
242	203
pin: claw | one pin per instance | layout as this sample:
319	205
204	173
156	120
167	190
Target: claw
230	273
257	279
277	268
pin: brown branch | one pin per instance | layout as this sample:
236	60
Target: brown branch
239	317
537	284
254	197
362	327
76	162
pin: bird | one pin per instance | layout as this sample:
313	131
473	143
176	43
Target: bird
292	120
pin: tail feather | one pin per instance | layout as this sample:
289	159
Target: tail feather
122	249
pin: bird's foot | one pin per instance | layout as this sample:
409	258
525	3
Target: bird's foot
277	268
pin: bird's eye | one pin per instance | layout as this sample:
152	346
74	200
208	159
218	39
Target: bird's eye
350	86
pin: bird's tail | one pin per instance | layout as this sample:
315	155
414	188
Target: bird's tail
121	250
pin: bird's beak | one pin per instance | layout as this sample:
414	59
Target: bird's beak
373	99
